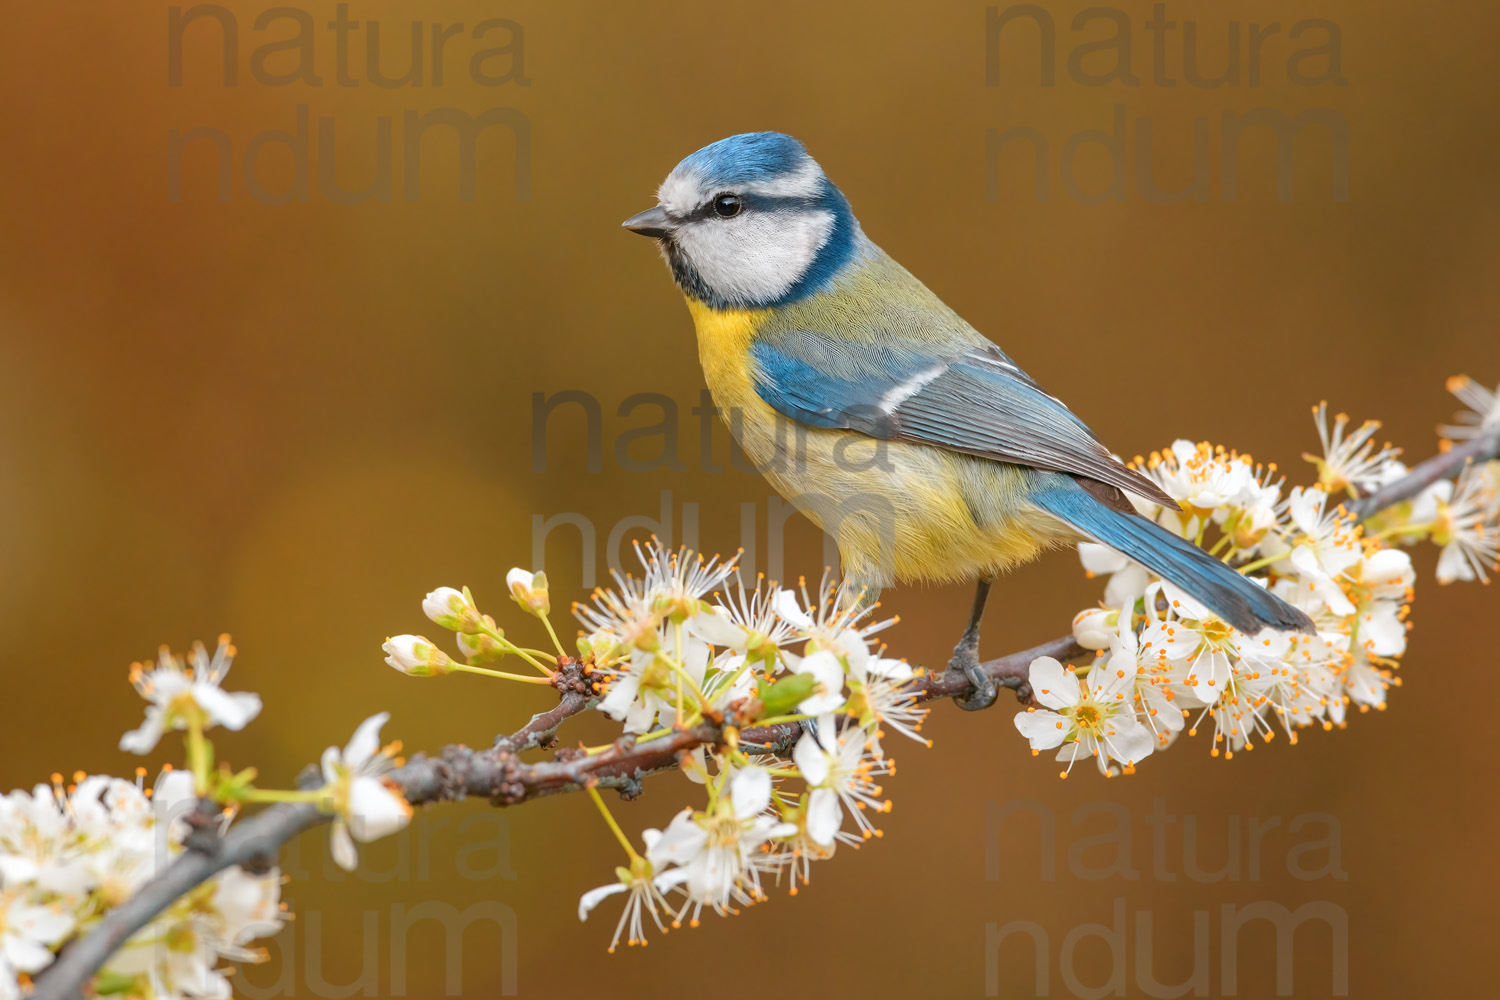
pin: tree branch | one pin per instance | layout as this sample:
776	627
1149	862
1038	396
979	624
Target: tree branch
1444	465
500	776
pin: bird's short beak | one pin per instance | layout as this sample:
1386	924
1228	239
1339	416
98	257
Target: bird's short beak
652	222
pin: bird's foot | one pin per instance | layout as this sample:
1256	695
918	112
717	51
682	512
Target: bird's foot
966	660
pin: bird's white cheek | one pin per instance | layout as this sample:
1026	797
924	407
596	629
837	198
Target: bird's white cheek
757	258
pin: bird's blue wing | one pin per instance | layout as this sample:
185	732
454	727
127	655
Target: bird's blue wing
977	402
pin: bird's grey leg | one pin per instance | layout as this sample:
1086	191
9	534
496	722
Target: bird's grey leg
966	658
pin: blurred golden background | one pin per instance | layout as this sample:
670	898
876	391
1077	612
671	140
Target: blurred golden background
289	421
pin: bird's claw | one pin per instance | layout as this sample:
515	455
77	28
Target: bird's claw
966	660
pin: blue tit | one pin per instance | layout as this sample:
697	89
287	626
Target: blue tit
919	445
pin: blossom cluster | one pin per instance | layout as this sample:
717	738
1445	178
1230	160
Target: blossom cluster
767	656
70	853
685	643
1166	665
73	852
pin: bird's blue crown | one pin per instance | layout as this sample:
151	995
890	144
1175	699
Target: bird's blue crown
750	158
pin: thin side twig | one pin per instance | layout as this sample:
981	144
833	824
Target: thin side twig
1444	465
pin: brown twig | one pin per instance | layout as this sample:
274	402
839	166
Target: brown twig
1444	465
504	779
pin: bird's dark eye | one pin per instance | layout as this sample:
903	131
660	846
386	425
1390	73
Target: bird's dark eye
727	206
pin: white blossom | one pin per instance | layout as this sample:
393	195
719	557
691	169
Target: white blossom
1254	515
1349	462
1200	476
746	621
645	687
1084	718
366	806
72	852
1483	413
1326	549
833	621
729	679
1383	581
1466	520
28	933
840	769
678	582
719	851
245	906
880	695
644	889
178	953
179	693
1200	644
176	956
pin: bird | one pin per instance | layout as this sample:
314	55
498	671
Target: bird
875	409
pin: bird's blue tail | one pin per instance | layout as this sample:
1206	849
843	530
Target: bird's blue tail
1239	601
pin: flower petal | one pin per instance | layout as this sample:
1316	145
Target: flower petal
810	759
824	815
750	791
826	667
1131	742
1042	728
1382	630
144	738
714	627
230	710
789	610
344	854
366	740
1051	684
1183	603
682	839
594	897
375	810
1098	558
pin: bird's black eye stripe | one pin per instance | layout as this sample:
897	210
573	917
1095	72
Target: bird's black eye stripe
760	203
727	206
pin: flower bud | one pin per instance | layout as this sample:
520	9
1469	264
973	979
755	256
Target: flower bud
415	656
1094	628
529	590
481	647
601	644
452	609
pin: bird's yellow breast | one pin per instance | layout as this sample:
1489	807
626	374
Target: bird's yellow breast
724	337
